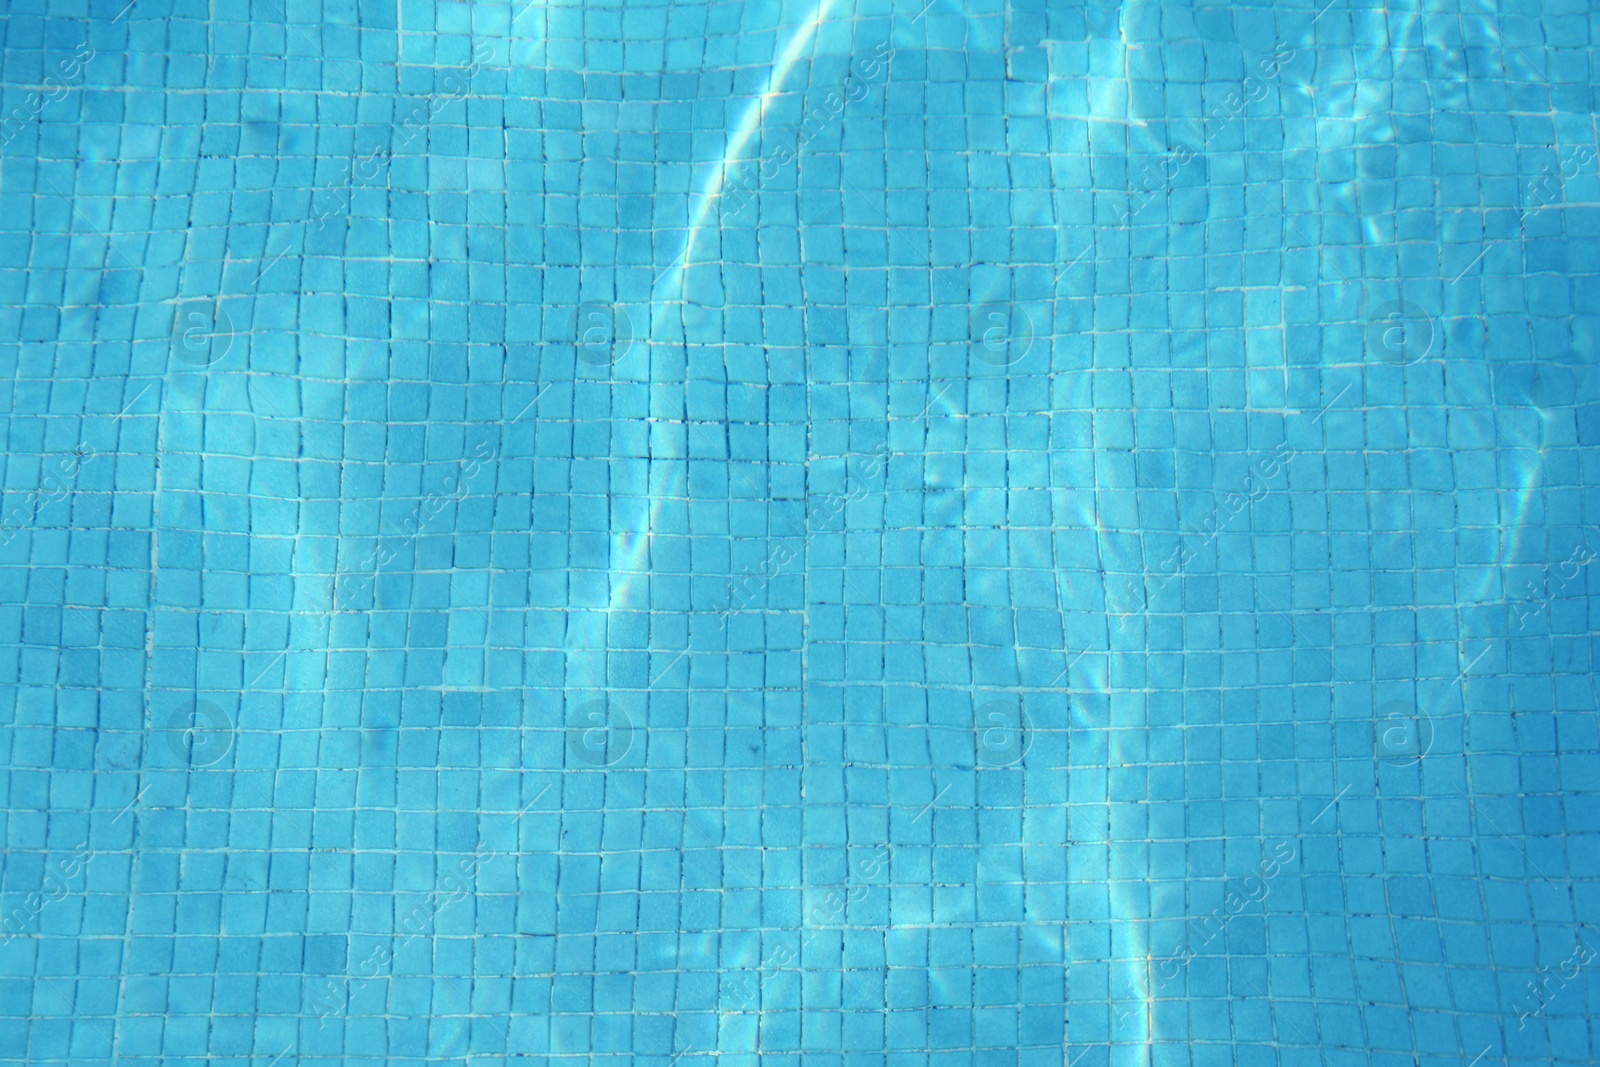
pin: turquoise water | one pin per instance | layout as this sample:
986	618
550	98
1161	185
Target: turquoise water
819	534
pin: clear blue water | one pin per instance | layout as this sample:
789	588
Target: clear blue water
824	533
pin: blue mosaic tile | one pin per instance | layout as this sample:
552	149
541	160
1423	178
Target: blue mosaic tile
818	535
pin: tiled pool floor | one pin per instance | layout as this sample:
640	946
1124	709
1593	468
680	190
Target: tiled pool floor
812	534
